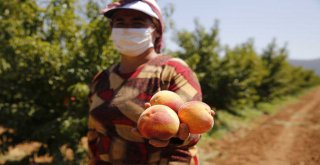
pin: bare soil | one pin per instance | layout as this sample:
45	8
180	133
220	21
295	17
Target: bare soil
289	137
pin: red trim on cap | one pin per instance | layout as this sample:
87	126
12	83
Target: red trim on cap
159	41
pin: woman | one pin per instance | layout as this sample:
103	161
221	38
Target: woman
118	94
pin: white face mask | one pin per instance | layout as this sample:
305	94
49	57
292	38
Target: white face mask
132	41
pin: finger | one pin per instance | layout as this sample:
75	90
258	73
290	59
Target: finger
147	105
213	112
181	155
136	132
213	109
179	159
183	132
158	143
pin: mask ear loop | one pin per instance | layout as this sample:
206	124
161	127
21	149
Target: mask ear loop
155	27
154	37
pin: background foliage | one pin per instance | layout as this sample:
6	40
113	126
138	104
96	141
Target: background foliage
49	53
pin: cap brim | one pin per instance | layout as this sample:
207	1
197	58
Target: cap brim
138	5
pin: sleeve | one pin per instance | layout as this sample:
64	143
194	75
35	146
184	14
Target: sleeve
92	134
185	83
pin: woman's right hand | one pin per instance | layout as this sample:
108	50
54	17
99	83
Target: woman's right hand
153	142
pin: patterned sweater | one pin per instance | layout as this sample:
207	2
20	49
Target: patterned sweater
116	102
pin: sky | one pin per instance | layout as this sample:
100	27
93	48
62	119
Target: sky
292	22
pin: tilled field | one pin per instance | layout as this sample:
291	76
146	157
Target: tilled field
290	137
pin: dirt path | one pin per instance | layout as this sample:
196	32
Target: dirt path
290	137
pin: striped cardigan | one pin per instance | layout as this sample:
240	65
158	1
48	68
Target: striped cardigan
116	102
